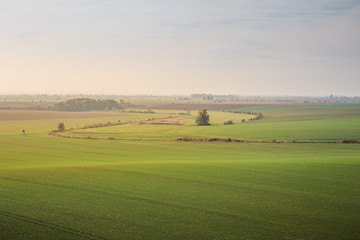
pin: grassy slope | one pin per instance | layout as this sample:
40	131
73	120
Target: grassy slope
171	190
145	131
283	123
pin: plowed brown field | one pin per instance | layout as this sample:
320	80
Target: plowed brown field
38	115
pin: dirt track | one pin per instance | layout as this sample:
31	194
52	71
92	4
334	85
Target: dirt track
52	226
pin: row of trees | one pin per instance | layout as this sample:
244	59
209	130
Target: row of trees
258	115
88	104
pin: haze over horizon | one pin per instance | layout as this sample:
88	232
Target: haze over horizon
275	47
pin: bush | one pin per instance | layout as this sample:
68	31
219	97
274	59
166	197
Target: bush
61	127
350	141
228	122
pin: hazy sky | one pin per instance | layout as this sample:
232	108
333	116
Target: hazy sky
249	47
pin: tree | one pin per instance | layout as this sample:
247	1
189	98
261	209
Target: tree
203	118
61	127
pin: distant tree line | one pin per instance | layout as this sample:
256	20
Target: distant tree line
89	104
139	111
205	96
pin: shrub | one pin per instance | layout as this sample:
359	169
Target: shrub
61	127
350	141
228	122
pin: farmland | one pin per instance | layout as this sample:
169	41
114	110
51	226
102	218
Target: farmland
282	123
136	188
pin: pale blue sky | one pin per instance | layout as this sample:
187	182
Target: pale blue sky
253	47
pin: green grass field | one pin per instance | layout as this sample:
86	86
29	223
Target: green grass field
64	188
283	123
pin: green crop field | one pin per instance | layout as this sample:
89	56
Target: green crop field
282	123
67	188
